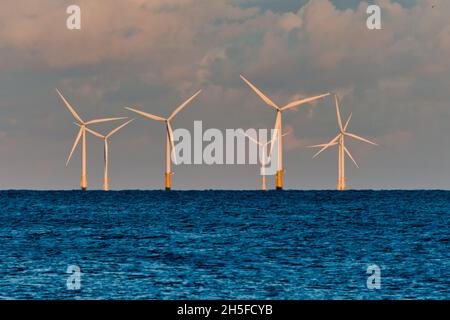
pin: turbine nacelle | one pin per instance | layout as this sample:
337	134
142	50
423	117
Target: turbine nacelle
290	105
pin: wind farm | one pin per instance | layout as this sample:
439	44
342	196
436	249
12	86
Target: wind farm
279	123
342	148
170	154
170	145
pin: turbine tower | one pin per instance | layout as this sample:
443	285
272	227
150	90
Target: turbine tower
340	141
170	146
279	124
82	136
105	139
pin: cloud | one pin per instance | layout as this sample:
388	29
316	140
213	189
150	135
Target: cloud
291	141
290	21
397	138
183	41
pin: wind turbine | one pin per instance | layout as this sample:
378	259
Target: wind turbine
82	135
278	123
105	139
340	141
263	147
170	146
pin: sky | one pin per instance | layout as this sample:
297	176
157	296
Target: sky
154	54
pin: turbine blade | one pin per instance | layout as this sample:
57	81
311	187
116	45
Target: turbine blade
146	114
287	133
260	94
348	121
250	138
350	156
326	146
118	128
360	138
95	133
71	109
183	105
338	111
303	101
170	132
283	135
77	140
322	145
105	120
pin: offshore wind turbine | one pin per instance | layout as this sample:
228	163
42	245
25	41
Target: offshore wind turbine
263	147
340	141
82	136
105	139
278	123
170	146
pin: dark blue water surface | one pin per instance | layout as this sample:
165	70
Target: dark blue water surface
225	244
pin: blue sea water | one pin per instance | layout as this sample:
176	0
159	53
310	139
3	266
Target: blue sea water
225	244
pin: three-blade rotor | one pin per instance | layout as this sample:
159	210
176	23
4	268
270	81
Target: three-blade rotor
290	105
82	124
168	120
342	134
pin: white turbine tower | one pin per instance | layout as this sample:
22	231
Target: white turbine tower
105	139
278	123
170	146
82	136
340	141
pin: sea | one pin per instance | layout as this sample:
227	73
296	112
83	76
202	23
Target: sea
287	245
